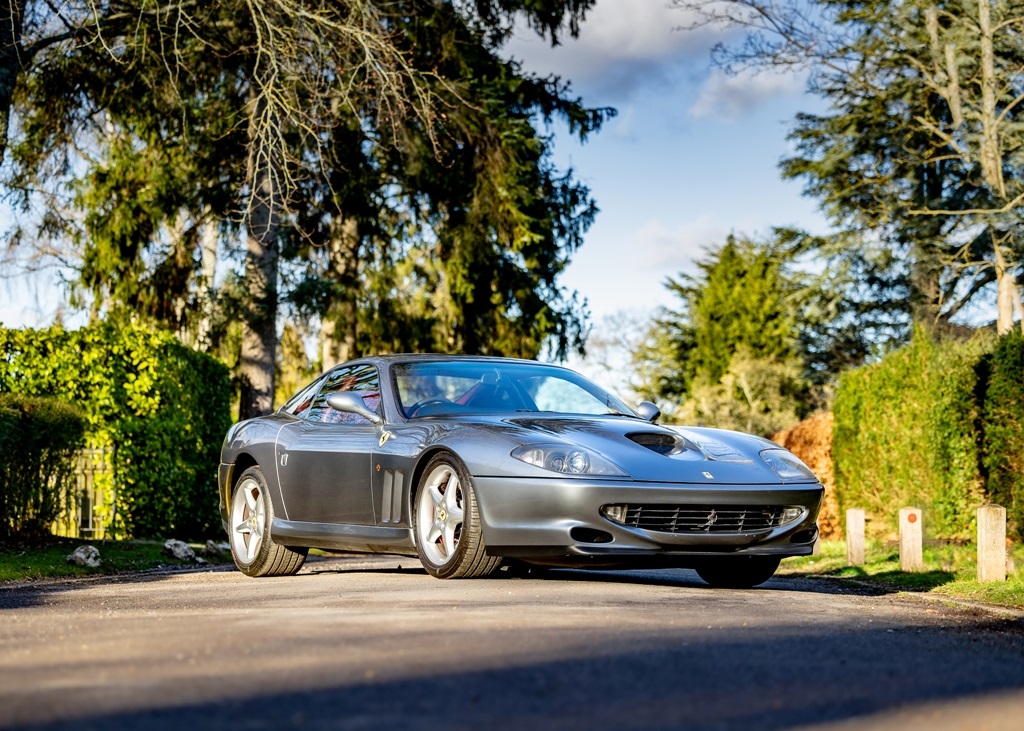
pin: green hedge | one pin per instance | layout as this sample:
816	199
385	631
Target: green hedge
39	442
161	409
1003	426
908	432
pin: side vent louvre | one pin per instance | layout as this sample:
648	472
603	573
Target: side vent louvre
391	504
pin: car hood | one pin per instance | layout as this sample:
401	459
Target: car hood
705	456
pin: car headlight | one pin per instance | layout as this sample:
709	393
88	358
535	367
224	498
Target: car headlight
566	459
787	466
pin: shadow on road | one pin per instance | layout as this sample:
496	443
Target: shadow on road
721	681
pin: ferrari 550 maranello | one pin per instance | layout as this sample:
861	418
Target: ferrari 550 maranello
471	462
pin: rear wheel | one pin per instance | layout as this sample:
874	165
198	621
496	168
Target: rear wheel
738	572
252	546
446	523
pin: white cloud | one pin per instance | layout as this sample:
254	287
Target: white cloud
730	97
623	44
670	251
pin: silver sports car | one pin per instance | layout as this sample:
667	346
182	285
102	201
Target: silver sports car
471	462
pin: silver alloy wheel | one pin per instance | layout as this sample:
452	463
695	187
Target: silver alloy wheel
249	518
439	515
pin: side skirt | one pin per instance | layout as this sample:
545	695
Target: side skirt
337	537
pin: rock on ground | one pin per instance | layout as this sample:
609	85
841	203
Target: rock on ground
88	556
179	550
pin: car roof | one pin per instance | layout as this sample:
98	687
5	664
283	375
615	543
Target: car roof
443	357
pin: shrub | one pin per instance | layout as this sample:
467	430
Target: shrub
811	441
160	407
907	433
39	442
1003	423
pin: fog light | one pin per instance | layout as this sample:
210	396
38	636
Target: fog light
616	513
790	515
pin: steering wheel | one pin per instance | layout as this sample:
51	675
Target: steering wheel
426	402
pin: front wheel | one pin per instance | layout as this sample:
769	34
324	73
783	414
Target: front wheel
446	522
252	546
738	572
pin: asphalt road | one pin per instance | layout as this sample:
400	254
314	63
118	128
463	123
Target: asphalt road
361	644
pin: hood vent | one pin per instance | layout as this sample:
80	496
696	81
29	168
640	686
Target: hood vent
660	442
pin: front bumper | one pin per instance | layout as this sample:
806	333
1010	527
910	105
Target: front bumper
559	521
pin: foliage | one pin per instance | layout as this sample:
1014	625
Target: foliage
739	299
921	145
811	441
451	243
294	368
386	163
758	395
161	407
906	434
852	301
1003	425
731	352
39	442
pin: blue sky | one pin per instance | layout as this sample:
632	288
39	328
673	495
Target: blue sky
691	157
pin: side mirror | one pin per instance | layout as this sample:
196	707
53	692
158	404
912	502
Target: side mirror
352	403
646	409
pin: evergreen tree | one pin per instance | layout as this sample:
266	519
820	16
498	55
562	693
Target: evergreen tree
742	298
403	190
757	340
923	143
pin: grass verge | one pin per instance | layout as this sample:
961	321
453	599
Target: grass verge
49	560
950	570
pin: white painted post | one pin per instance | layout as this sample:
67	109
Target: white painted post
911	539
991	543
855	537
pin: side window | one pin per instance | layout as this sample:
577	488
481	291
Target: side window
300	402
361	379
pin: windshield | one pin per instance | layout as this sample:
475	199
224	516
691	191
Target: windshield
459	387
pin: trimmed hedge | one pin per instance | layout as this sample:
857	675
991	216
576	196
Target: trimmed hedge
39	440
907	432
160	407
1003	457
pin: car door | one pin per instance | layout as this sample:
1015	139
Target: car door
323	460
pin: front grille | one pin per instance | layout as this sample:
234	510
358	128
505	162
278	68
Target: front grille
704	518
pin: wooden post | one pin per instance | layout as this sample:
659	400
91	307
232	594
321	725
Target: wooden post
991	543
855	537
911	538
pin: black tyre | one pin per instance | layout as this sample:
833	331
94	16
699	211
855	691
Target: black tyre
446	523
252	546
738	572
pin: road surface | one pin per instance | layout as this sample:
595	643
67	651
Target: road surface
374	643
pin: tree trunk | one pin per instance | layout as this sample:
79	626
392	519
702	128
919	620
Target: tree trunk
259	324
992	167
12	14
339	327
209	244
1006	290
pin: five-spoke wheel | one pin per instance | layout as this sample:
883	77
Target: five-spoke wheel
447	523
252	546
